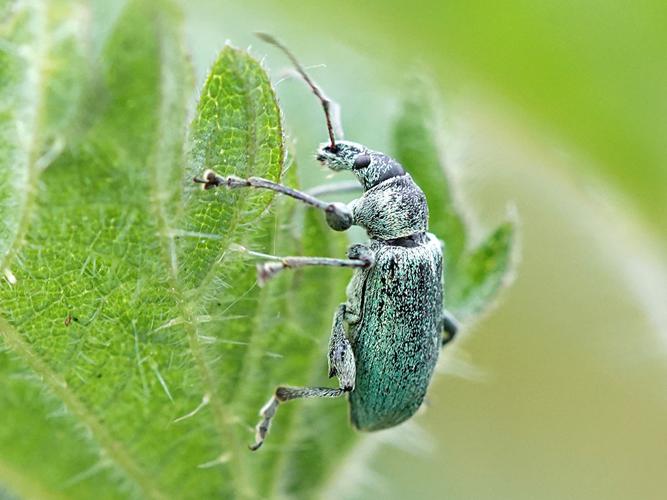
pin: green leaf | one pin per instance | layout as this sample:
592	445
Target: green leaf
273	341
44	451
483	272
42	58
288	345
114	322
473	276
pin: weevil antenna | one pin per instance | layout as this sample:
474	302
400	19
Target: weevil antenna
326	103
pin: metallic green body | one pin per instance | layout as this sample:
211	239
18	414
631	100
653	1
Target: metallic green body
397	337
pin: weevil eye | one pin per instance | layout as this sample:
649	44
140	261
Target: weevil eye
362	161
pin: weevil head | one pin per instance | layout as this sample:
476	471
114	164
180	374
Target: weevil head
370	167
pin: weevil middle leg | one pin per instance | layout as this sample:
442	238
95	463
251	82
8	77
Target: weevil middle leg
268	270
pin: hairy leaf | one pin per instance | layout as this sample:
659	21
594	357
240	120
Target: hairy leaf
42	60
321	430
114	315
416	148
45	453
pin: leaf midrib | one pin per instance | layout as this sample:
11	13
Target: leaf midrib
222	419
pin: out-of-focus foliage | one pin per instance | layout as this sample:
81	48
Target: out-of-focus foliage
473	276
588	75
135	346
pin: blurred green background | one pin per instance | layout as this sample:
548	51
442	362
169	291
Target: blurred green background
559	108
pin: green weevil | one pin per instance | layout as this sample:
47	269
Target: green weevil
386	337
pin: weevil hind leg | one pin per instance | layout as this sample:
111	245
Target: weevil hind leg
282	395
341	364
449	326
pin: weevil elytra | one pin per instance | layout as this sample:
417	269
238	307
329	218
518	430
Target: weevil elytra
386	337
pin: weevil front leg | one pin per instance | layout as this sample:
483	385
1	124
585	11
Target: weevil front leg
448	326
338	215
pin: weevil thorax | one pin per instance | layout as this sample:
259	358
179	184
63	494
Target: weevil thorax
392	206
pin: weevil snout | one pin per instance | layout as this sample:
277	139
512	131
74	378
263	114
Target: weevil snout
342	156
370	167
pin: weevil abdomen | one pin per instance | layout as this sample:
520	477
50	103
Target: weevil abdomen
397	341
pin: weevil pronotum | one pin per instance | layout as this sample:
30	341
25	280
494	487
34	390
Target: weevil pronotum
386	337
